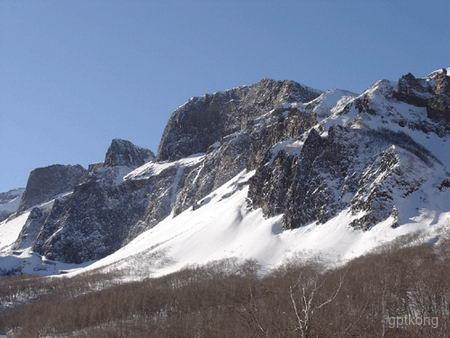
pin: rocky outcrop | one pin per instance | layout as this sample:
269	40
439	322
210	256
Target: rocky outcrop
125	153
32	227
48	182
98	218
205	120
244	149
356	169
432	92
105	210
439	105
90	223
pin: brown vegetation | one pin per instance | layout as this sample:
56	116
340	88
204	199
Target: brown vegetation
223	299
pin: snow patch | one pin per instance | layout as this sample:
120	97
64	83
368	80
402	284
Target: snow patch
155	168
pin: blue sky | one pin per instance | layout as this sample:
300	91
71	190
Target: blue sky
75	74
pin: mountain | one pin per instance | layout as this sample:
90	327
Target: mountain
9	202
263	172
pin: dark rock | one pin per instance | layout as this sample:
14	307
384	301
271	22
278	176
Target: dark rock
445	184
413	91
202	121
337	172
90	223
432	93
439	105
98	217
48	182
219	166
125	153
32	228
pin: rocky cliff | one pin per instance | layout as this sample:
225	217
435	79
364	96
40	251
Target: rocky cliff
206	142
125	153
202	121
46	183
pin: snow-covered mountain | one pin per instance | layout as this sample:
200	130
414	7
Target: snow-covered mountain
266	172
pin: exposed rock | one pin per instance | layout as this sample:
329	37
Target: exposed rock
48	182
432	93
90	223
221	164
439	105
202	121
125	153
356	169
413	91
101	216
30	231
108	210
244	150
445	184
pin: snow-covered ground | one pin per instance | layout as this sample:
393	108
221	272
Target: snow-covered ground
224	228
10	230
26	260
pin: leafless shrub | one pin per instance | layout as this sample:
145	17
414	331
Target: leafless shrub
228	298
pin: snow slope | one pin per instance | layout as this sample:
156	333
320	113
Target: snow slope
10	230
224	228
155	168
25	260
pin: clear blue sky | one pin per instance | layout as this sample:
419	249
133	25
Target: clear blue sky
75	74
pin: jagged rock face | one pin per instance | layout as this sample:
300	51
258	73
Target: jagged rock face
125	153
97	217
202	121
104	212
439	105
243	150
220	164
162	195
358	169
90	223
9	202
432	93
412	90
48	182
302	187
100	216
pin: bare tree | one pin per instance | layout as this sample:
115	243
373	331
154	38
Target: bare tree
306	304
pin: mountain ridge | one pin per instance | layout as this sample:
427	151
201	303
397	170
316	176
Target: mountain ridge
308	157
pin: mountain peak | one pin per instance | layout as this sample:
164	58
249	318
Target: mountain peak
47	182
203	121
124	153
